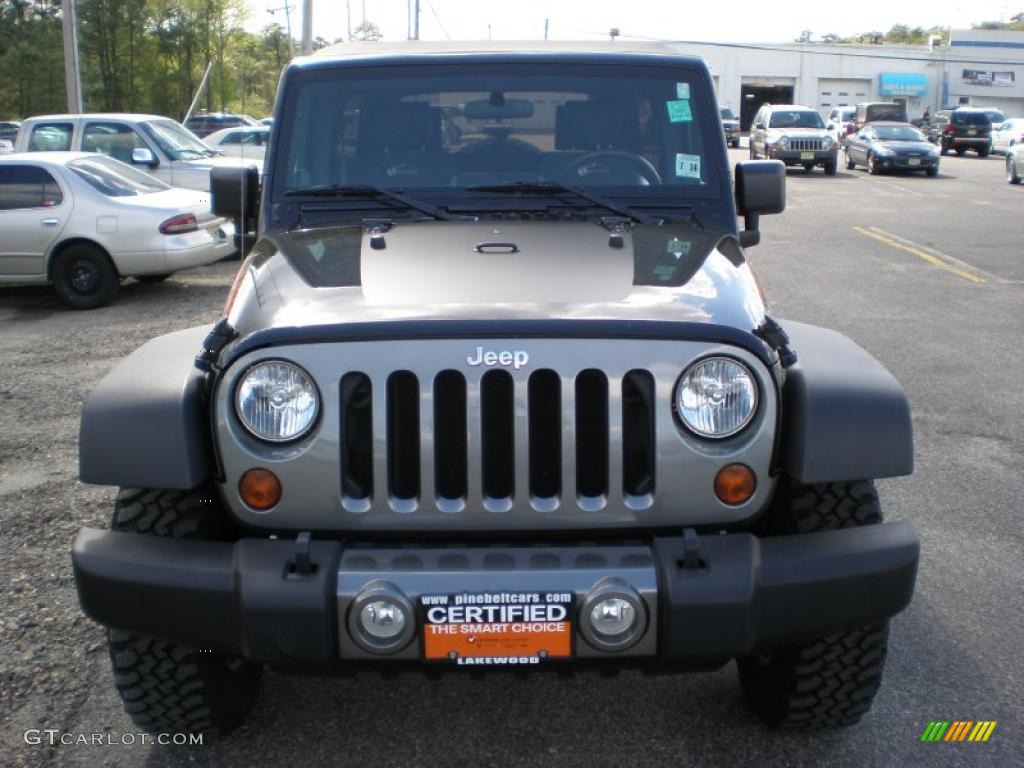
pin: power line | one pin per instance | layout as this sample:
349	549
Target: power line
430	4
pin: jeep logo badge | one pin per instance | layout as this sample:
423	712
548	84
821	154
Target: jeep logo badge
516	358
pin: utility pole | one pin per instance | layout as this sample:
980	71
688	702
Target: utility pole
416	22
288	23
307	27
348	20
546	28
72	74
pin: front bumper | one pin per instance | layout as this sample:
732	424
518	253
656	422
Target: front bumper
800	157
900	163
725	597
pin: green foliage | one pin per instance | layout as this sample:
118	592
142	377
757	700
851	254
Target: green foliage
140	56
899	34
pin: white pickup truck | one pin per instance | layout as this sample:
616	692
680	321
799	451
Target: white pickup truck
158	145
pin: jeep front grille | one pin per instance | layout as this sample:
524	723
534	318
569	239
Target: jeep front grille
538	439
806	144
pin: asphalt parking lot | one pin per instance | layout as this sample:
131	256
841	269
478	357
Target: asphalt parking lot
926	274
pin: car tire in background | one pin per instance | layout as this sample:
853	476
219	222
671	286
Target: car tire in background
84	277
933	171
984	151
1012	171
831	166
873	168
831	681
850	165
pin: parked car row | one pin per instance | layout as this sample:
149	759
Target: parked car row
83	222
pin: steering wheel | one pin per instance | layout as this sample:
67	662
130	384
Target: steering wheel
617	162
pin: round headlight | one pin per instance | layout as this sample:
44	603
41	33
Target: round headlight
716	397
277	401
784	142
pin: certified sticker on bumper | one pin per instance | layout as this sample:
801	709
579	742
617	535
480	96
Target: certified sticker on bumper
497	628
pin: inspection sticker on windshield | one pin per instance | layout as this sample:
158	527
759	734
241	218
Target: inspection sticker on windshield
688	166
682	90
679	111
497	628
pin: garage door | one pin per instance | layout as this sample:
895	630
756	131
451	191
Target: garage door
839	93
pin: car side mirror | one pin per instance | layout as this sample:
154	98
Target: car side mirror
760	188
144	156
830	127
235	193
759	126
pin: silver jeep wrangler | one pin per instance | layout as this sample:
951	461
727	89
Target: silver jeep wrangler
496	387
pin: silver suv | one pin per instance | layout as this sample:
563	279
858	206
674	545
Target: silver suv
794	134
507	396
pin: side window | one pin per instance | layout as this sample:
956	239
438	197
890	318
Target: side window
51	137
115	140
26	186
232	138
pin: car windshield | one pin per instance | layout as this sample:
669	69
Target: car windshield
898	133
971	118
457	131
114	178
727	114
802	118
177	141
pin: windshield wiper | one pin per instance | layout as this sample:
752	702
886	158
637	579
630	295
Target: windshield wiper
367	190
554	188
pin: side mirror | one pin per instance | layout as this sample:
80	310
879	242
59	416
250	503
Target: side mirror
830	127
144	156
759	126
760	188
235	193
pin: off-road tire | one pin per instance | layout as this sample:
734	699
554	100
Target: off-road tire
984	151
84	277
172	687
830	167
831	681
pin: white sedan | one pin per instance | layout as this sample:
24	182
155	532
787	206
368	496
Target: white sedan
246	141
83	222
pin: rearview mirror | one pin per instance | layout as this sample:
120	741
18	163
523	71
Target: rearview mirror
760	188
143	156
483	109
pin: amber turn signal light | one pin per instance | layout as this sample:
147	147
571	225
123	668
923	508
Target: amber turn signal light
735	484
260	489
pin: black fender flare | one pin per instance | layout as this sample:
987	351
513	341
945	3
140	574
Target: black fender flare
844	416
146	425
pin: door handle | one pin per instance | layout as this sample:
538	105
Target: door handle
50	222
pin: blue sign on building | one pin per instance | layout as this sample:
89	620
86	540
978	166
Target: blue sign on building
911	84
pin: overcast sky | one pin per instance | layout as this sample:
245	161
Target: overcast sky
739	20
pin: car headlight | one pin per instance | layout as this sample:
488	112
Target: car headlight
882	152
827	142
783	142
716	397
277	401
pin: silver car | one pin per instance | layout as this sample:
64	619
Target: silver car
246	141
1006	134
83	222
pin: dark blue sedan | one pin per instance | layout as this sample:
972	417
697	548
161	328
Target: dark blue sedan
885	146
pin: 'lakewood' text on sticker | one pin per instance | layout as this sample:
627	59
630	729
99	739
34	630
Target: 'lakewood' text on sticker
679	111
688	166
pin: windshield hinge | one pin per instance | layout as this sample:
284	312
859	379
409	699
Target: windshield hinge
775	337
617	224
215	341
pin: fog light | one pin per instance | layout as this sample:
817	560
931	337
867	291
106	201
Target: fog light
381	618
260	489
735	484
613	616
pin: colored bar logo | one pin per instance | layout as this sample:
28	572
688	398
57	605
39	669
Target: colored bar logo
958	730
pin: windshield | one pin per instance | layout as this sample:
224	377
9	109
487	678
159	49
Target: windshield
804	118
115	179
971	118
176	141
898	133
641	131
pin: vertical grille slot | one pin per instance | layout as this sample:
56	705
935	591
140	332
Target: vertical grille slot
356	436
498	434
545	428
638	438
591	434
403	435
450	472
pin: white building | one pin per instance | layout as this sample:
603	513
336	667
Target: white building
983	68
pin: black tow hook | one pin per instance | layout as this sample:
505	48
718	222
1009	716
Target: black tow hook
301	565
